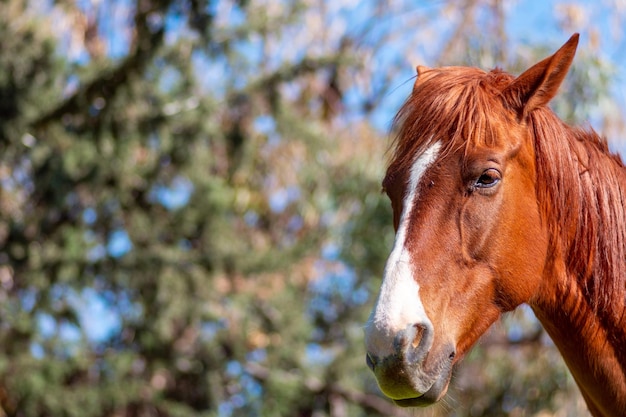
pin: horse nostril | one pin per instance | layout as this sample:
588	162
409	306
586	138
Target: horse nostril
419	333
370	361
415	341
452	355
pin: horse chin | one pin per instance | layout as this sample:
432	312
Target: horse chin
433	395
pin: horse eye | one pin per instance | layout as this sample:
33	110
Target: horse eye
488	179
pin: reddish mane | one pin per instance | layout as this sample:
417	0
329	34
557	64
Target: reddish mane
581	187
457	105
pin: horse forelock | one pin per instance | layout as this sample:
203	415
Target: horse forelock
456	106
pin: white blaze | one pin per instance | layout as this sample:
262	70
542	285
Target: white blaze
398	304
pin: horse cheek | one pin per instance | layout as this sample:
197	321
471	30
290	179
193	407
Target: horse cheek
479	219
522	253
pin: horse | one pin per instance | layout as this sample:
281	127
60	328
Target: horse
497	202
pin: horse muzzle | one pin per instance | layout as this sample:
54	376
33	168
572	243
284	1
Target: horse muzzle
413	375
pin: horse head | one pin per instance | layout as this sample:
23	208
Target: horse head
471	242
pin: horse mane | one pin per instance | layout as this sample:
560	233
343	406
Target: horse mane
580	184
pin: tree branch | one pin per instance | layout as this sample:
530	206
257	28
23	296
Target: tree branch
445	57
146	42
290	71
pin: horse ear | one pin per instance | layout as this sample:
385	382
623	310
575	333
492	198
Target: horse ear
536	86
421	69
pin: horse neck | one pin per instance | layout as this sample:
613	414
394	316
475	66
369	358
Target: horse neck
582	299
592	348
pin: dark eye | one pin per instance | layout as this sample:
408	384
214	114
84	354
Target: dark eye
488	179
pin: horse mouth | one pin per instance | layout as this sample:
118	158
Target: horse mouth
432	396
414	402
413	375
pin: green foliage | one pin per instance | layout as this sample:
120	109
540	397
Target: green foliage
194	227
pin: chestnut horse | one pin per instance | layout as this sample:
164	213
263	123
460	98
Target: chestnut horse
496	202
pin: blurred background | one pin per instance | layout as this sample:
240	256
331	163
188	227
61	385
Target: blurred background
191	217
